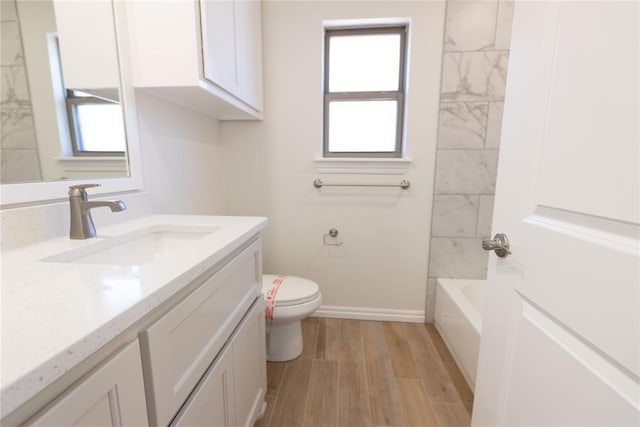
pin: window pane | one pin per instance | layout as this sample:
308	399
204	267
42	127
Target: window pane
362	126
364	63
101	127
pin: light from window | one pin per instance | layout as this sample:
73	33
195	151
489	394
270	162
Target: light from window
100	126
364	92
364	63
95	120
362	126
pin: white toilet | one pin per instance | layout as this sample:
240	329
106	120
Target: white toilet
288	299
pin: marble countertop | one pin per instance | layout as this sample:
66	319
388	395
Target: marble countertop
54	315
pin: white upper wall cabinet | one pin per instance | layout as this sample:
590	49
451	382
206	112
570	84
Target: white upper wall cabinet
204	55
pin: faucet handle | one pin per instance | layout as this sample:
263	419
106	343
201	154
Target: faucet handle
78	190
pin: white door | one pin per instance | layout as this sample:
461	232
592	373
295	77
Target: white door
561	335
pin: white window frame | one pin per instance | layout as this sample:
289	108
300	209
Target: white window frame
397	95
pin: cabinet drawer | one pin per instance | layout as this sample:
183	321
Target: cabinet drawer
178	349
111	395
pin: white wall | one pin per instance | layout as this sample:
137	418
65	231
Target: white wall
269	166
181	164
181	158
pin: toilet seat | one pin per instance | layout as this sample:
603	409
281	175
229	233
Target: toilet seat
289	290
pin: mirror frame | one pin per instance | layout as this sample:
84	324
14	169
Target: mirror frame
51	191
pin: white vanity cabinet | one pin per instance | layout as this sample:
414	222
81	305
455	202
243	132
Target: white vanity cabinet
113	394
205	55
177	340
178	349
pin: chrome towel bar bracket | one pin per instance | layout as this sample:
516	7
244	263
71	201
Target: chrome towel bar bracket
404	184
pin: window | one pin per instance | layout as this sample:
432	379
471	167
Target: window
94	117
95	122
364	85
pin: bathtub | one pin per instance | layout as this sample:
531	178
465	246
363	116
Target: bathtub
458	318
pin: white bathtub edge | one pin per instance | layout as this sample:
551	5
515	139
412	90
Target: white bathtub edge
459	323
470	382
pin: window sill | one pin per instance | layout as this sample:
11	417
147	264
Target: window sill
116	165
383	166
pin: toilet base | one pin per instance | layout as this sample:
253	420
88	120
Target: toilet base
284	341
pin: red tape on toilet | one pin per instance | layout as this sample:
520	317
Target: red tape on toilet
270	298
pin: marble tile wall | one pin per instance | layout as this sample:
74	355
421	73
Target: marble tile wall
474	71
18	149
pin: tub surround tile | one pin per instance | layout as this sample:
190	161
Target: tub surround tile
466	171
8	11
474	69
462	124
474	76
485	216
20	165
454	216
18	129
504	24
470	25
494	125
459	258
11	44
15	89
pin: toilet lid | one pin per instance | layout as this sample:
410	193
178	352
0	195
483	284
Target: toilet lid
289	290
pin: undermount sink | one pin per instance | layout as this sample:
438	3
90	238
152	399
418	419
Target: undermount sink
138	247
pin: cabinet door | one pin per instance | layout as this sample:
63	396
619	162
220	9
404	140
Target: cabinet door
250	365
212	402
179	348
232	47
113	395
248	21
219	43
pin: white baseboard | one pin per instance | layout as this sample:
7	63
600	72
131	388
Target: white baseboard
360	313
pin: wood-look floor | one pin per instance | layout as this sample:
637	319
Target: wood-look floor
364	373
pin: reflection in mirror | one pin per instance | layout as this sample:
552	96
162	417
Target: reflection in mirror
61	112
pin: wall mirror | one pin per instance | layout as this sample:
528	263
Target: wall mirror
64	89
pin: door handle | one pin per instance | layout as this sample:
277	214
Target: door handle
499	244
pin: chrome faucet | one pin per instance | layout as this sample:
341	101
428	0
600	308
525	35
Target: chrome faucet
81	222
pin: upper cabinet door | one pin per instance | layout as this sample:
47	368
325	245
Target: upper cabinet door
211	59
232	47
219	43
248	21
